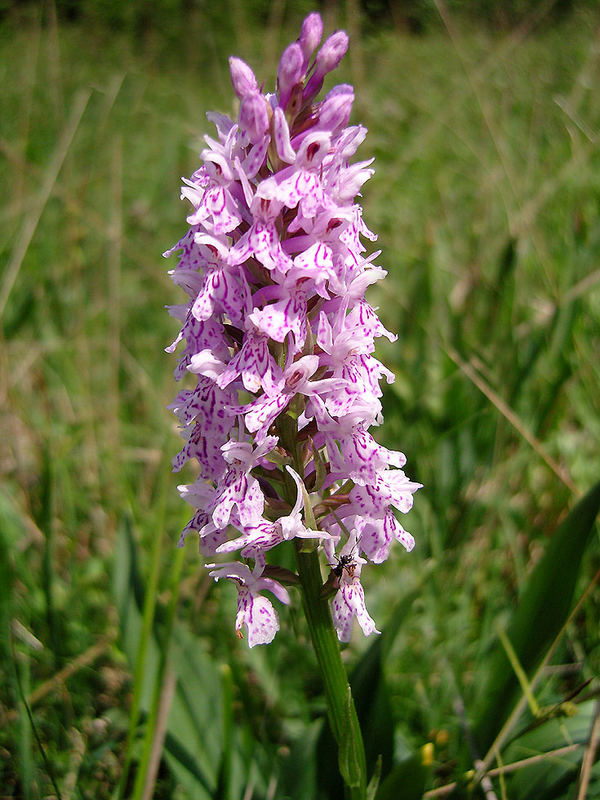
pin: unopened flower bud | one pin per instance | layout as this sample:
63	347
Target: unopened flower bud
332	52
328	57
310	35
290	72
242	77
335	109
254	118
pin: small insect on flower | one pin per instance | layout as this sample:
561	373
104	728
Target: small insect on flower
346	562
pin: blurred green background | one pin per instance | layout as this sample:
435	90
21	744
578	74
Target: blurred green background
120	674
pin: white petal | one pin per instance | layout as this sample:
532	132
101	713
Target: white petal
258	616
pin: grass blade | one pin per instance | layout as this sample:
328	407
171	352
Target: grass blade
548	777
161	688
44	521
141	672
371	693
542	610
31	221
406	780
33	726
196	707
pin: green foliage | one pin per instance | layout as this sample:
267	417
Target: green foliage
170	17
407	780
553	778
207	766
486	201
188	718
541	613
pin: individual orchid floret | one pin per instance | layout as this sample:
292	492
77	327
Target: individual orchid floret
295	381
335	109
291	72
310	36
281	135
378	535
254	612
238	488
242	77
292	525
328	58
254	364
349	601
332	52
254	117
266	535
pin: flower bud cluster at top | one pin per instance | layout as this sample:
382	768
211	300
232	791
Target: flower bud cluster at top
280	338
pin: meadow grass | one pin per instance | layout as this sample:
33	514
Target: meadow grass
486	200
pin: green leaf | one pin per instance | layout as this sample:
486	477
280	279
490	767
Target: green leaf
128	589
405	782
501	299
184	765
375	781
299	770
371	693
548	778
224	779
349	756
192	755
542	610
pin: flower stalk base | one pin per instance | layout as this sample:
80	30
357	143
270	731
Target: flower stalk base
340	705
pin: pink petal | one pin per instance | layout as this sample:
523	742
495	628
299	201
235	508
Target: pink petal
258	616
342	617
281	132
264	411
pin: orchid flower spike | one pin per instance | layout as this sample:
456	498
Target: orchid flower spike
277	341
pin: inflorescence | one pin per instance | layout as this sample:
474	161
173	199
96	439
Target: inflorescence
280	338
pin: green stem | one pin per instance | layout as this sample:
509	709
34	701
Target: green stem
340	705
